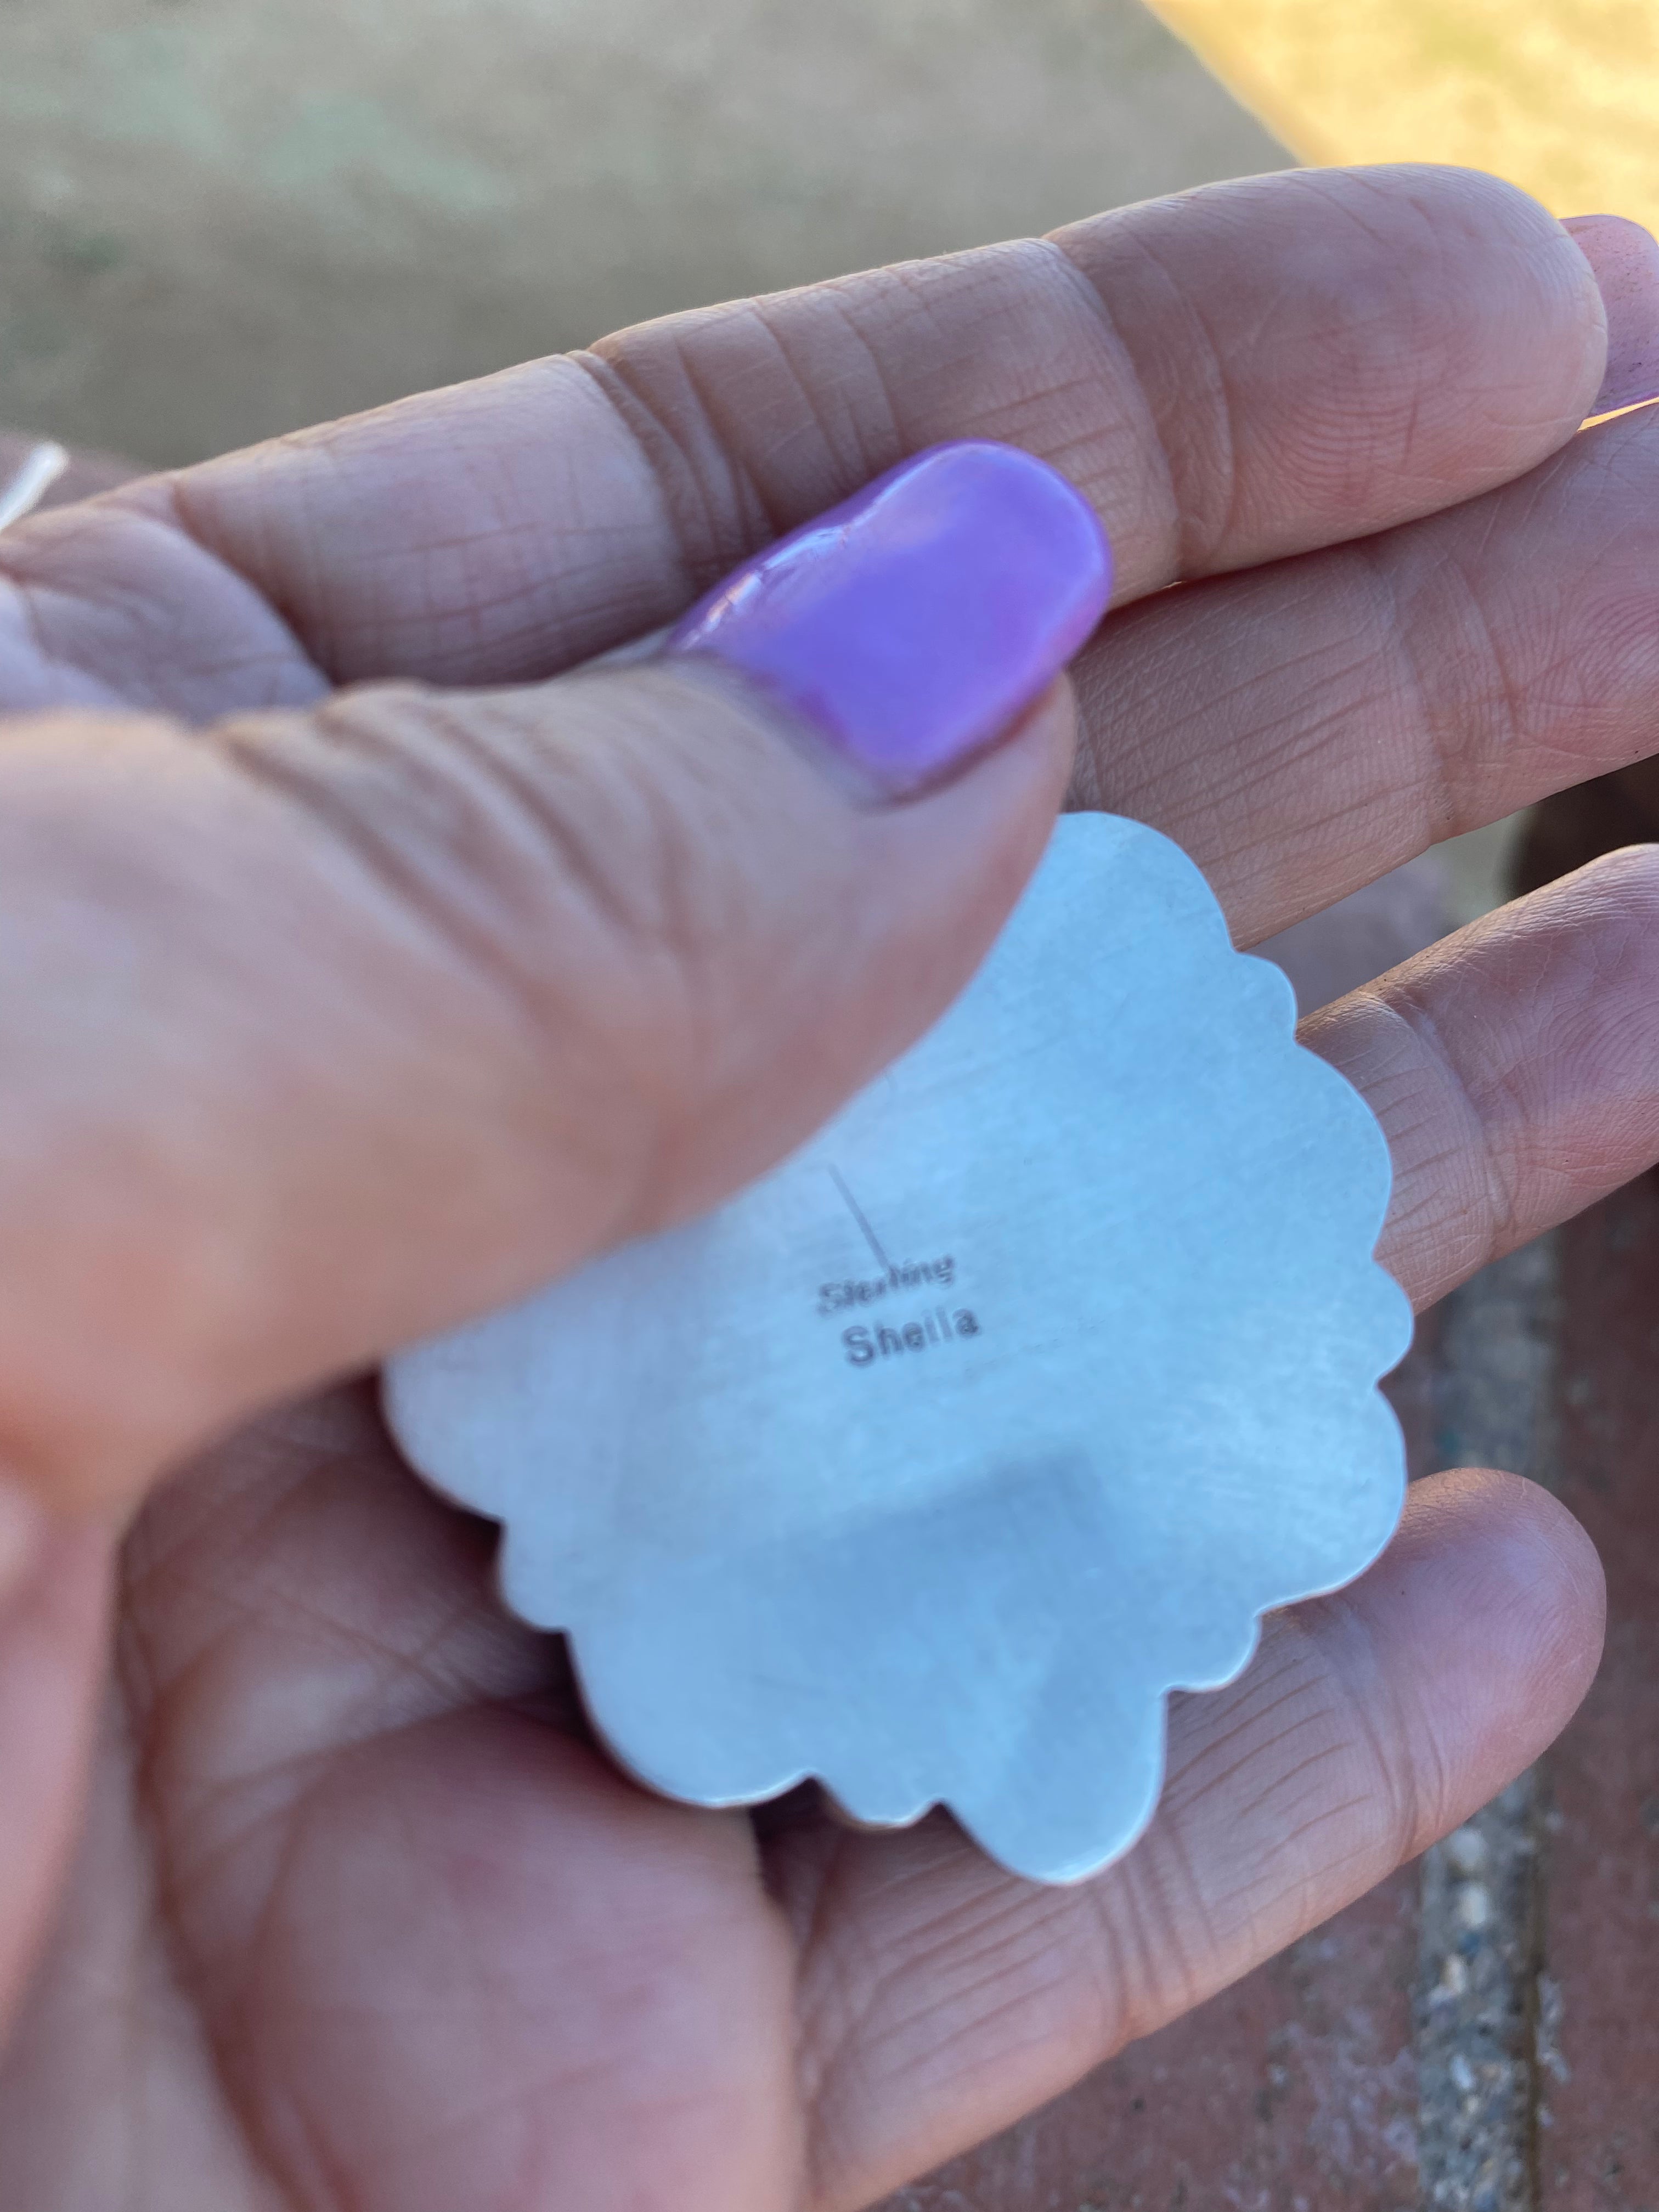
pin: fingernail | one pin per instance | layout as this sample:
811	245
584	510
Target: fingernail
1625	260
22	1538
915	624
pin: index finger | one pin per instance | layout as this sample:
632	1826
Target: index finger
1235	374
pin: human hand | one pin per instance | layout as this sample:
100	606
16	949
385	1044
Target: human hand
327	1026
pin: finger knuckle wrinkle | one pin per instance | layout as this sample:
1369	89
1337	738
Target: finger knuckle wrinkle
1499	1210
1154	1933
1400	1771
670	396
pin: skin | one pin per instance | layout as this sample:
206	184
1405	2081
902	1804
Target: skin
330	1016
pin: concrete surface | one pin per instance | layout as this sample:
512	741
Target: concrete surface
1481	1972
220	219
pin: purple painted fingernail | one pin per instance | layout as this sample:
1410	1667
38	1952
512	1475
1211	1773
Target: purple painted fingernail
1625	260
916	622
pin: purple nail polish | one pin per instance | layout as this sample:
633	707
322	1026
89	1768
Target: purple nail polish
1625	260
915	623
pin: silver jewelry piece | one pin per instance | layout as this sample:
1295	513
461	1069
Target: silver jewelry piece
929	1465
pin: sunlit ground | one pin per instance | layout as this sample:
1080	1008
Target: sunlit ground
1560	95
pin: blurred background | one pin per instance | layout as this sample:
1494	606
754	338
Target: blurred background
223	218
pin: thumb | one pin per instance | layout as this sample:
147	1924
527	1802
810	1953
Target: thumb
325	1031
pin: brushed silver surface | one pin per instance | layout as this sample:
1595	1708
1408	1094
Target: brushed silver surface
932	1463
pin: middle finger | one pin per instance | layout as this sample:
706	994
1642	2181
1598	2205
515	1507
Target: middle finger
1302	729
